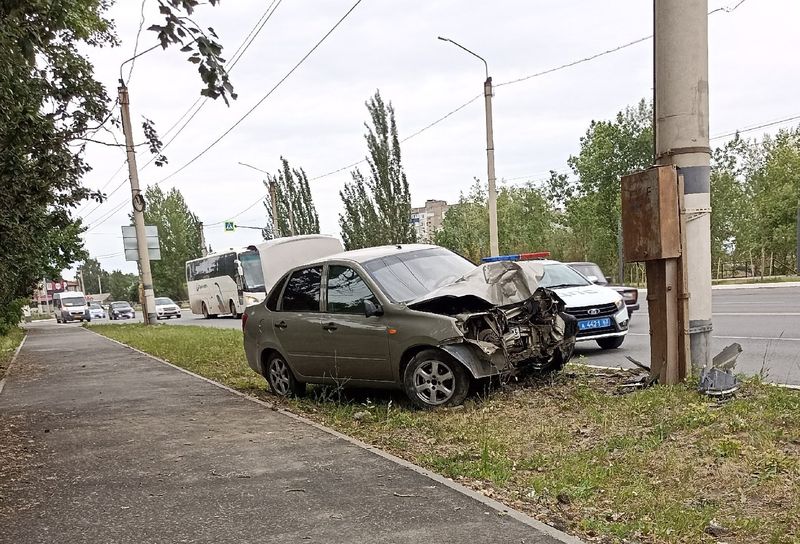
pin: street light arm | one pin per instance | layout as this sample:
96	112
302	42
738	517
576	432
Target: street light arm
254	168
474	54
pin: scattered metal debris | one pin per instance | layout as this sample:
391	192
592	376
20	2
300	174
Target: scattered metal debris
637	363
719	381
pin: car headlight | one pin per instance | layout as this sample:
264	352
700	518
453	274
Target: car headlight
620	304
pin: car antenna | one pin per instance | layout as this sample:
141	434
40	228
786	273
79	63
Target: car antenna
399	246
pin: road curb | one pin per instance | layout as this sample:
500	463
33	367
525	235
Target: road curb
734	286
499	507
11	362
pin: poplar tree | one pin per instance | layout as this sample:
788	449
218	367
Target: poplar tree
296	210
377	207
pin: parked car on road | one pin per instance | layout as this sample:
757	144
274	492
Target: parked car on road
120	310
165	308
594	274
601	313
414	317
96	311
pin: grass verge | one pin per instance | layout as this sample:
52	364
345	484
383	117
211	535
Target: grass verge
660	465
8	344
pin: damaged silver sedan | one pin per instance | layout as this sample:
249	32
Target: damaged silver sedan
414	317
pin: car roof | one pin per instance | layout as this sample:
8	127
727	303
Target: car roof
587	263
370	253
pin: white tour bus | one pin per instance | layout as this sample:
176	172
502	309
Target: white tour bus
227	281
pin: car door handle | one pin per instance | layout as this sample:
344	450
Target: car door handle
330	327
281	325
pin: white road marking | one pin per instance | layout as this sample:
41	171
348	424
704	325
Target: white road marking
770	314
735	337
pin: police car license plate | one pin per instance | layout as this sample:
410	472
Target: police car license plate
589	324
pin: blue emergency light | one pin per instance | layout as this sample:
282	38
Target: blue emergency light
517	257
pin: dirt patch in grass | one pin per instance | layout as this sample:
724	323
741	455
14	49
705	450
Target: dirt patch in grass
660	465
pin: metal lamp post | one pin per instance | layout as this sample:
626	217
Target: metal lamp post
494	246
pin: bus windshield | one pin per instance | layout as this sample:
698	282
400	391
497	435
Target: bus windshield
73	301
253	280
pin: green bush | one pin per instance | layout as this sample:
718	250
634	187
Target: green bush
11	315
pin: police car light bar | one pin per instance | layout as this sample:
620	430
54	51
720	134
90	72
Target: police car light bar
517	257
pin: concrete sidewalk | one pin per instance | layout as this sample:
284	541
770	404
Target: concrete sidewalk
122	448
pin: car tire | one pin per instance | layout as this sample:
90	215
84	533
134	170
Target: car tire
232	307
559	359
432	379
204	310
281	378
611	343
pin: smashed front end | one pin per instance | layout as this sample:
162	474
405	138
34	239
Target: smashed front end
509	324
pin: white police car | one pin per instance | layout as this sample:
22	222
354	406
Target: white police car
601	312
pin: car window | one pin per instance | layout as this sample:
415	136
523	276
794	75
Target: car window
412	274
560	275
121	305
347	291
275	294
162	301
303	290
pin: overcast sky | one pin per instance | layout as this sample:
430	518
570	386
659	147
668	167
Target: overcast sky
315	119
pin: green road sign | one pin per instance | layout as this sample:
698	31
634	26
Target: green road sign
229	226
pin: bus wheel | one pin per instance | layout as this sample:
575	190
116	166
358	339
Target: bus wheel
233	311
205	311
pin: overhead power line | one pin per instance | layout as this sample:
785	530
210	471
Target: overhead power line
237	56
263	98
756	127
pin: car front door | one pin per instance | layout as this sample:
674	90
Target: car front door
297	323
358	346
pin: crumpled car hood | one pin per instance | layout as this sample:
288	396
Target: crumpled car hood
497	283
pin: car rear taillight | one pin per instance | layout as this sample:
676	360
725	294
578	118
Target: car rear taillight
244	320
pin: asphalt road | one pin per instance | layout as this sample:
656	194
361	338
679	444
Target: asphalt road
764	320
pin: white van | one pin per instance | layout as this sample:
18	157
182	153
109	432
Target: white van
226	282
70	306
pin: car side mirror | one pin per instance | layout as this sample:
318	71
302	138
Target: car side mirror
372	309
592	279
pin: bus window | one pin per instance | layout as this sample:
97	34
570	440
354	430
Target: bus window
253	279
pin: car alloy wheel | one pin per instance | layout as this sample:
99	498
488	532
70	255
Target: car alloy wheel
281	379
432	380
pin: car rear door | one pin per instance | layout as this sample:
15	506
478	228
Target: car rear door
297	323
357	346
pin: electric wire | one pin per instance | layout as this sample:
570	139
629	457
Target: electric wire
237	56
263	98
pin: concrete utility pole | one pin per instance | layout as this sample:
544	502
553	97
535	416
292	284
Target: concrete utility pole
146	276
273	199
494	245
681	139
797	261
83	285
203	250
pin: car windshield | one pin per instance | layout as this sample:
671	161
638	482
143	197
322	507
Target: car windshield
73	301
410	275
554	276
95	306
253	279
164	301
121	305
590	269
